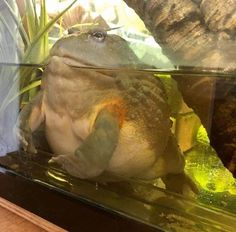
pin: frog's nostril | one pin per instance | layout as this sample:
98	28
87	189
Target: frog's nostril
73	30
70	31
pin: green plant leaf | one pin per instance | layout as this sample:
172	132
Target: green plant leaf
25	89
31	18
42	32
35	41
19	52
42	24
19	25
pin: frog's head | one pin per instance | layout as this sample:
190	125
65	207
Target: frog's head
95	48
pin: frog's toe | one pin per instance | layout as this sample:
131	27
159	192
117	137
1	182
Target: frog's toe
31	148
65	161
58	159
26	140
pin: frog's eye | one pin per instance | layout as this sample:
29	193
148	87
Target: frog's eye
99	35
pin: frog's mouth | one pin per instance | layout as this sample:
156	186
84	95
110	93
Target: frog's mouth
74	62
82	63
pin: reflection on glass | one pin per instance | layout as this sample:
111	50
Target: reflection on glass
104	115
9	52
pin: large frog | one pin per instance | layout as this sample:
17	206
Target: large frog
104	123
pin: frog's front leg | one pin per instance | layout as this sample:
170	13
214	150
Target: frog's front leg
31	116
93	156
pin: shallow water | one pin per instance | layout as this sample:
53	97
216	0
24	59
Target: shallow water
213	209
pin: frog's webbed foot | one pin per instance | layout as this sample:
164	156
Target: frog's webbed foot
25	138
69	163
180	183
73	165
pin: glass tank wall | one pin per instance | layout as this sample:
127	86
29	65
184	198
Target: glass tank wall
129	105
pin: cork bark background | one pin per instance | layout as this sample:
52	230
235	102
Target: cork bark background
200	34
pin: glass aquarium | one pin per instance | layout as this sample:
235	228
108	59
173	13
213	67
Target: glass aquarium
128	105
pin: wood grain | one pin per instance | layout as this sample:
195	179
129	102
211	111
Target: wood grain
15	219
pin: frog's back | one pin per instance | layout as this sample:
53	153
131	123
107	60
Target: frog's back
147	106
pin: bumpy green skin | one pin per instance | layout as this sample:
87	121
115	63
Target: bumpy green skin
102	123
201	34
146	105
